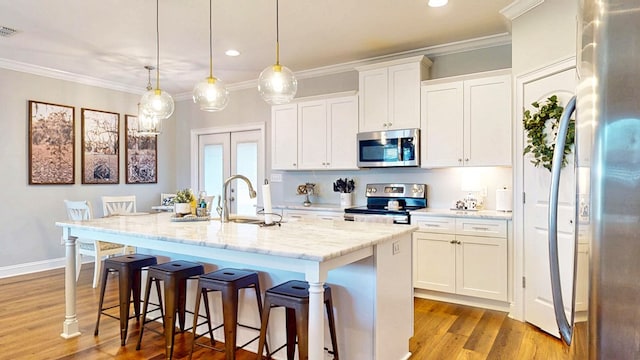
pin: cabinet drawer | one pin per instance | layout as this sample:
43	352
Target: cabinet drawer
435	224
481	227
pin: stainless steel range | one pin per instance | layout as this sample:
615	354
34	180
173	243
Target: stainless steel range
389	203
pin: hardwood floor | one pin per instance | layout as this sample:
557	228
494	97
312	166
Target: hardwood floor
32	308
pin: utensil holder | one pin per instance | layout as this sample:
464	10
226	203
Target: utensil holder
345	199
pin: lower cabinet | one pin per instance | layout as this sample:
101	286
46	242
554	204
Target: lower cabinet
461	256
313	214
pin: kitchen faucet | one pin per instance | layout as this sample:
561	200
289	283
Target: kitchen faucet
223	210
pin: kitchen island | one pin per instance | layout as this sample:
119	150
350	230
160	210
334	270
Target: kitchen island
372	263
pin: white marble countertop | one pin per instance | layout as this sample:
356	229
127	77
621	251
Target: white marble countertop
313	207
303	239
482	214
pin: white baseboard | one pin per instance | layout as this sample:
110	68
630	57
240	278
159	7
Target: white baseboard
37	266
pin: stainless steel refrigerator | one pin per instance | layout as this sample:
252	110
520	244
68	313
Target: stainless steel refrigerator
607	113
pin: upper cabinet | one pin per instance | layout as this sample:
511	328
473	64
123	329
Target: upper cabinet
315	134
466	120
390	94
284	137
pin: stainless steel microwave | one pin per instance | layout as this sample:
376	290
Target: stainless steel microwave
391	148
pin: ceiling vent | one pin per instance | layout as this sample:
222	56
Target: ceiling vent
6	32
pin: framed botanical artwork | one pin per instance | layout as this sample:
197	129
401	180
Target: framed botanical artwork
51	144
100	147
141	156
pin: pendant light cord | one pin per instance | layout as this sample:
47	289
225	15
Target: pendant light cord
277	35
210	41
157	45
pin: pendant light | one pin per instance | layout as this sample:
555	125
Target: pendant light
156	102
148	124
277	84
211	94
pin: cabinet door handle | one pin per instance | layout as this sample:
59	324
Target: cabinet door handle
467	159
294	164
431	225
459	160
452	242
480	228
458	242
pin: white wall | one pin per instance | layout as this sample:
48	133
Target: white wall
544	35
29	212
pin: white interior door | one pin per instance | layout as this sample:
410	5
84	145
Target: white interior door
246	158
223	154
538	299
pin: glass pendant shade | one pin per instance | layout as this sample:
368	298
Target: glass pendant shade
157	103
148	125
211	94
277	84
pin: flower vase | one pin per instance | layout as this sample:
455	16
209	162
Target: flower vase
182	209
345	199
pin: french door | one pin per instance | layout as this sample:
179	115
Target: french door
222	154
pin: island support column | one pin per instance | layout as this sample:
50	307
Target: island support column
70	327
316	320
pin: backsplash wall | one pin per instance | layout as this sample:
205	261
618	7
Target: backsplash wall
444	186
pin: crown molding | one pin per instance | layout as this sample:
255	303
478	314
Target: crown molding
67	76
438	50
518	8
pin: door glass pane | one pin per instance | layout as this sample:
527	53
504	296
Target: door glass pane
247	165
213	168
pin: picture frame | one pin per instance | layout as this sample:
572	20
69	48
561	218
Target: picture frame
51	144
141	154
100	147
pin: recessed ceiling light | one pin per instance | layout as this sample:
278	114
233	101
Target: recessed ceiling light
232	52
438	3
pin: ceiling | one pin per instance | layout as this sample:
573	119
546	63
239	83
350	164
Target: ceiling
112	40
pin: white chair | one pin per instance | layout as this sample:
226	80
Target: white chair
79	211
114	205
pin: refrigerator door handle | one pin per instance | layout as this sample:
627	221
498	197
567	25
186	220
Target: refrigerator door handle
566	328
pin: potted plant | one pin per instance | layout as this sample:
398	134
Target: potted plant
345	188
182	202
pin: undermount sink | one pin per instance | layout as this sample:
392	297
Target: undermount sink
245	220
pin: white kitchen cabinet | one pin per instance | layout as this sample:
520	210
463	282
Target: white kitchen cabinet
390	94
312	214
466	120
464	256
320	134
284	137
327	132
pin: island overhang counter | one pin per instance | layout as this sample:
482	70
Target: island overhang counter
370	255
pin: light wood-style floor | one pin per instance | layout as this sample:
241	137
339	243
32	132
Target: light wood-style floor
32	308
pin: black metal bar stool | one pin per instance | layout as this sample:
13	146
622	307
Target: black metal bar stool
229	282
129	269
174	274
294	296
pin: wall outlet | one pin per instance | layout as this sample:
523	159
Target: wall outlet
396	247
276	178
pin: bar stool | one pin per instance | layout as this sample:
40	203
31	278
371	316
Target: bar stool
129	269
229	282
294	296
174	274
